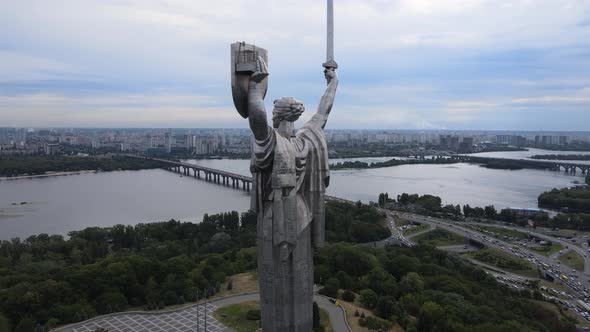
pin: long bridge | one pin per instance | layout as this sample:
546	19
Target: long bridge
527	163
244	182
214	175
208	174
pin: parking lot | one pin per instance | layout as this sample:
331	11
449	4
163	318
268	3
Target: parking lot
178	321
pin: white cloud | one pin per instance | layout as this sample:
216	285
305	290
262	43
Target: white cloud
40	110
151	45
580	96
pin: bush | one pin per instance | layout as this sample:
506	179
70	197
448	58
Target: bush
253	315
348	296
316	315
345	280
368	298
375	324
331	288
170	298
4	324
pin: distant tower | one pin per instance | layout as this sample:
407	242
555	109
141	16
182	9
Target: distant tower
168	140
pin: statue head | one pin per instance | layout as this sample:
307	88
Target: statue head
286	109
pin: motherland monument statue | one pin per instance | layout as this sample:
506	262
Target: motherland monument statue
290	175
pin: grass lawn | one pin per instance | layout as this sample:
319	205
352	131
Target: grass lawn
401	221
500	231
353	320
547	250
235	317
573	260
439	237
416	229
504	261
557	286
246	282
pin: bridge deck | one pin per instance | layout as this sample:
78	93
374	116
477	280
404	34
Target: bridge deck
200	168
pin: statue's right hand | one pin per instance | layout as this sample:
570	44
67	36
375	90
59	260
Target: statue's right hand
261	71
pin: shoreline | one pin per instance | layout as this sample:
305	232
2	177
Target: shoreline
22	177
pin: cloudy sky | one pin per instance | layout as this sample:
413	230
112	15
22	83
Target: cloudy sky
404	64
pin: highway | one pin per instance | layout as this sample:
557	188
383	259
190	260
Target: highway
565	244
577	281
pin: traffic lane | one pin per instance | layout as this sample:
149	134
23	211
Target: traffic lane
564	243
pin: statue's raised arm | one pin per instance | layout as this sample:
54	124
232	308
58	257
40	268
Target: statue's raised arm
256	109
327	101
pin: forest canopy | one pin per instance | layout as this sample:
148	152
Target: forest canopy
424	289
50	280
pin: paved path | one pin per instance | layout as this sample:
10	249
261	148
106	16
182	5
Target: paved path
185	319
182	320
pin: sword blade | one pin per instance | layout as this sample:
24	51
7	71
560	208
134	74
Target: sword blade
330	63
330	30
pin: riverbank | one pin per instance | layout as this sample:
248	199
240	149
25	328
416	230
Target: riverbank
506	164
390	163
15	167
569	157
49	174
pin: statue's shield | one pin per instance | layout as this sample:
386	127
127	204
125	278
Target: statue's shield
243	64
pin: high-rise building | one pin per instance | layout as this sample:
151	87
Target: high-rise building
515	140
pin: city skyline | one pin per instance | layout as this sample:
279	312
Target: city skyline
444	65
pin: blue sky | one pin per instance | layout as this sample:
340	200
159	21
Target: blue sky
404	64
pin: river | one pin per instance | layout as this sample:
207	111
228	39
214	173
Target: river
57	205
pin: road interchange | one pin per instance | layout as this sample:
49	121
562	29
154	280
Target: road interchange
577	281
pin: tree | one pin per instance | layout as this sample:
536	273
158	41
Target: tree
70	313
111	302
348	296
248	219
151	291
411	283
588	179
368	298
430	314
316	315
331	288
384	307
380	281
467	210
5	325
490	212
383	199
345	280
27	324
170	298
411	304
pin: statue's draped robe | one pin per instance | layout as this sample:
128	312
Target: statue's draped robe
290	177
